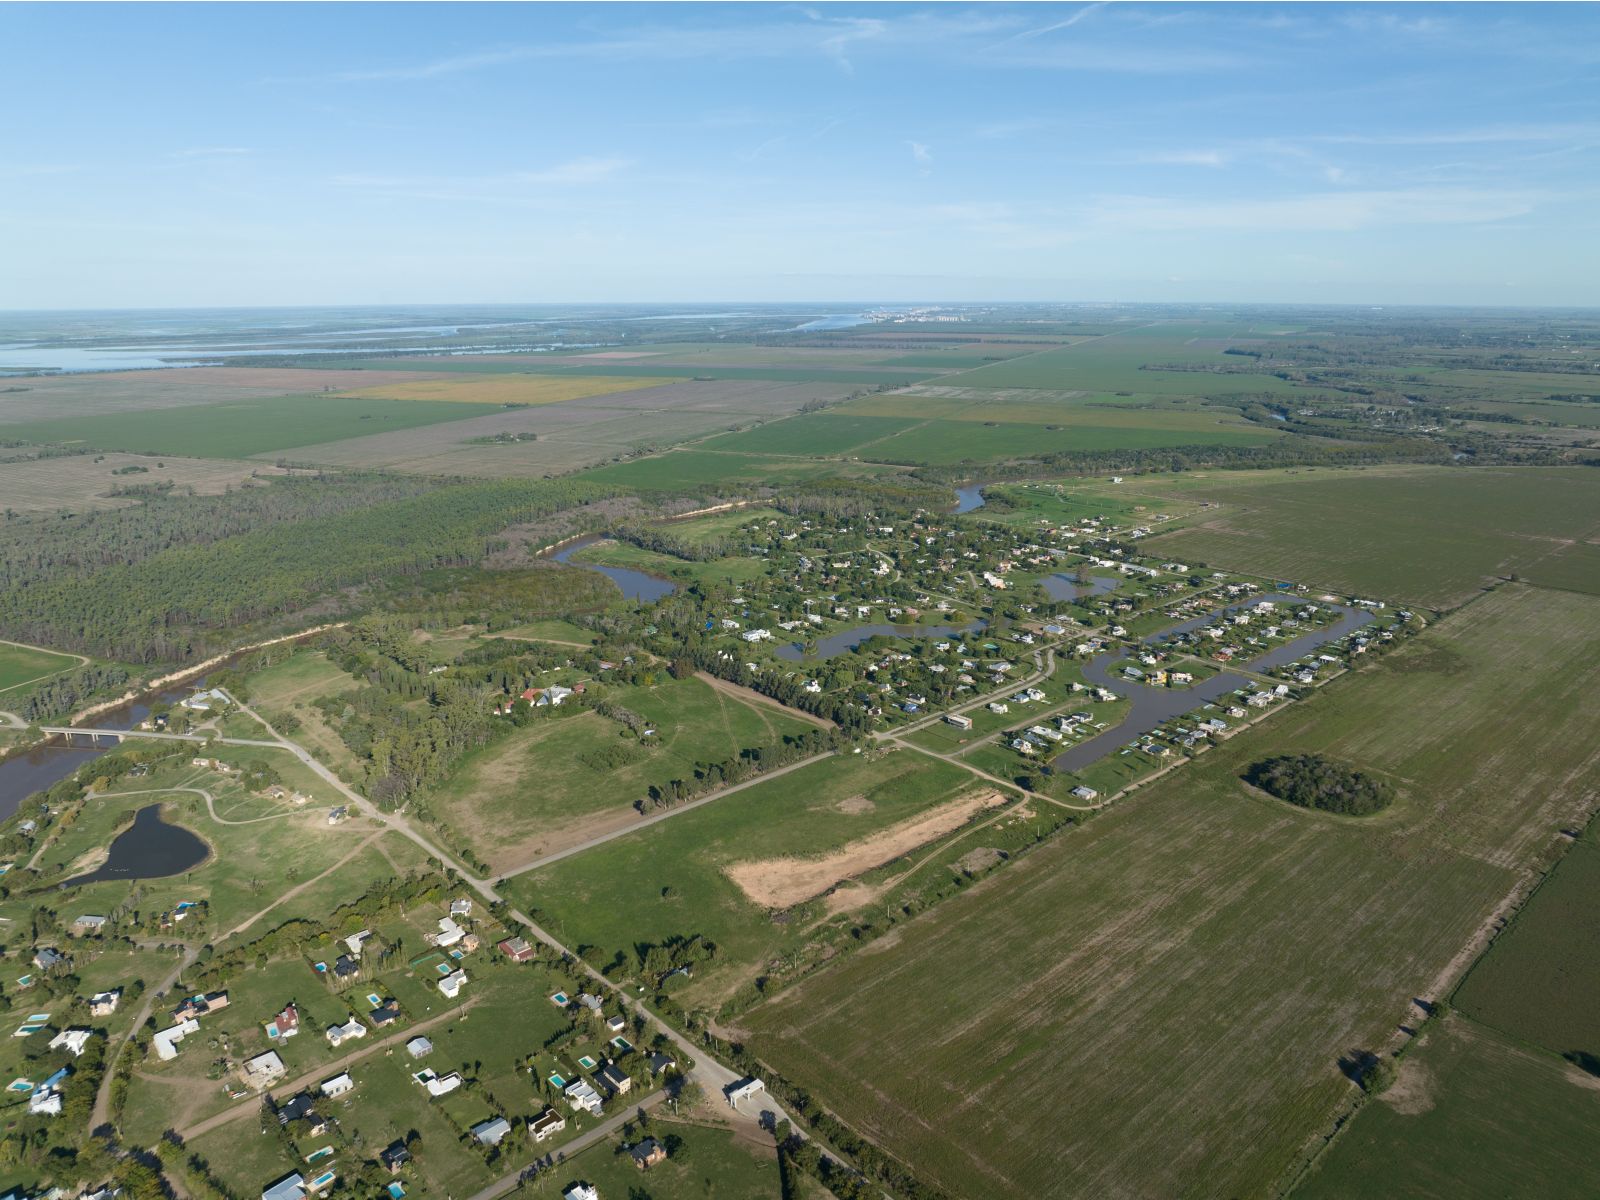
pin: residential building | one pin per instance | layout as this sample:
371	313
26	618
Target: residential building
580	1095
546	1124
516	949
419	1046
103	1004
73	1039
338	1085
394	1156
452	983
286	1024
647	1153
348	1032
614	1079
489	1133
264	1069
578	1191
290	1187
166	1042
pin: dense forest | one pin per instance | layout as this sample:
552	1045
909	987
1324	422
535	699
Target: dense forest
1312	781
174	579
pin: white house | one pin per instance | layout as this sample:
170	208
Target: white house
265	1069
419	1046
349	1031
746	1089
452	983
166	1042
73	1039
579	1191
338	1085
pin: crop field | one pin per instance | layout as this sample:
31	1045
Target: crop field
946	442
652	367
241	428
1539	981
1472	1116
558	437
686	470
85	481
1125	362
1201	932
1428	535
548	783
612	897
21	665
99	394
505	389
812	434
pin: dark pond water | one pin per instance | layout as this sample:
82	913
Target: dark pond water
849	639
635	585
1065	587
969	498
148	849
1153	706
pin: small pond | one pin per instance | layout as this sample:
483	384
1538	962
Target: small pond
1065	587
969	498
148	849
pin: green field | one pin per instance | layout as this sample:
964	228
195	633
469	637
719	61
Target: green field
22	665
688	470
714	1164
1472	1117
551	779
1540	981
241	428
1113	364
612	898
649	368
1428	535
813	433
1157	1004
941	443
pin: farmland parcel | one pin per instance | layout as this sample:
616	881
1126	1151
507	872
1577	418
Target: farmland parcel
1203	932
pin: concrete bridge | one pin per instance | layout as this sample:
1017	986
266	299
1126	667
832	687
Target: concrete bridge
117	735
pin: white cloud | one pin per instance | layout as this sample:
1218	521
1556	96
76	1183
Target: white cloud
920	152
1323	211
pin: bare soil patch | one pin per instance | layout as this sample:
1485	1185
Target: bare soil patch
1411	1094
785	882
855	805
978	859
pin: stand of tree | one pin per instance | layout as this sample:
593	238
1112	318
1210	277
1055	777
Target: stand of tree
1312	781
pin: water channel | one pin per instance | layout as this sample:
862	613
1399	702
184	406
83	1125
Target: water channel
1153	707
848	639
635	585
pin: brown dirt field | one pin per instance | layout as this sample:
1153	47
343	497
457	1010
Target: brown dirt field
1411	1094
80	482
853	805
785	882
508	389
95	394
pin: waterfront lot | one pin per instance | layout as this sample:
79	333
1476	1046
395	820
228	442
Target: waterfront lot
555	780
1200	931
1428	535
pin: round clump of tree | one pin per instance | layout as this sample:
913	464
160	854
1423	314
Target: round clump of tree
1312	781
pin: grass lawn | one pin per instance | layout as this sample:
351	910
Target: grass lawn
1202	932
292	687
1539	981
711	1164
1428	535
669	881
1472	1116
550	631
22	665
241	428
544	781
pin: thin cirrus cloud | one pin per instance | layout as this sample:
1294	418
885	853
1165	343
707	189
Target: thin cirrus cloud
576	173
1342	212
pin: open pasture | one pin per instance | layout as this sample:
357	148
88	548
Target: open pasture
1539	981
241	428
558	437
1472	1116
673	879
652	367
21	665
505	389
548	783
947	442
687	470
85	481
1202	932
1125	362
811	434
96	394
1428	535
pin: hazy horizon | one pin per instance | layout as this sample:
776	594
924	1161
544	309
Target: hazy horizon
205	156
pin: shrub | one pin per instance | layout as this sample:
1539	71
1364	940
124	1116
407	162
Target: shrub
1312	781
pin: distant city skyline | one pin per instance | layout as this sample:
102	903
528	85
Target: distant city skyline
176	156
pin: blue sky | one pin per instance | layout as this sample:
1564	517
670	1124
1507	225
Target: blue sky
244	154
